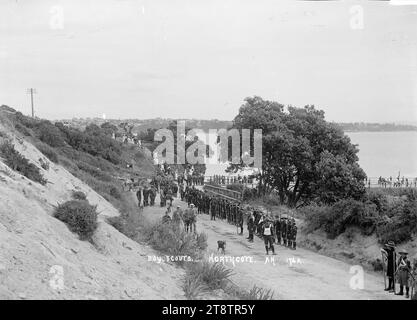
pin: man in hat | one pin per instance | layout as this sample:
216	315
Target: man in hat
177	216
284	231
293	234
404	269
390	256
146	196
192	218
139	196
278	228
251	226
152	195
239	219
268	235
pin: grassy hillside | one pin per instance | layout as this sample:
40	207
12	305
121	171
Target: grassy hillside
90	155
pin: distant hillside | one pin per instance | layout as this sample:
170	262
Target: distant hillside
375	127
140	125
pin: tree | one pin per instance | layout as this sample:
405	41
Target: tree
304	157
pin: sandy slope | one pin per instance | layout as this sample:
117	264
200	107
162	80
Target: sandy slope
35	247
300	274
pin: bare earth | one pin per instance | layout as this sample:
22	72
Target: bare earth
291	274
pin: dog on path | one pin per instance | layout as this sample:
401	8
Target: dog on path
221	245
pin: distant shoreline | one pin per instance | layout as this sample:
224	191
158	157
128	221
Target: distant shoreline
378	131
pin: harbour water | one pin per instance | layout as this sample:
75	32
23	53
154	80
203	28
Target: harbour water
380	154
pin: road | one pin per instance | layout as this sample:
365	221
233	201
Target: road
291	274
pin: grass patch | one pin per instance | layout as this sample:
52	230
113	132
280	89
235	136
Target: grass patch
256	293
19	163
193	287
48	152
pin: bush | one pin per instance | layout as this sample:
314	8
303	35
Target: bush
213	275
22	129
131	225
168	238
48	152
257	293
93	141
115	192
79	216
193	287
20	164
50	134
316	216
379	199
395	220
344	213
400	223
202	241
94	171
79	195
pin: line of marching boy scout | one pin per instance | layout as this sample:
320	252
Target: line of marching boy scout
218	208
279	230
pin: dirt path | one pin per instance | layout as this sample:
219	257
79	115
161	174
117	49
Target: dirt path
291	274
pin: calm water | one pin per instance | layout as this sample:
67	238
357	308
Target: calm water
387	153
380	154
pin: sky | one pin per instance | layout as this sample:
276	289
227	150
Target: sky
200	59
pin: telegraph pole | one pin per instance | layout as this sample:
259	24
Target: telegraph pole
32	91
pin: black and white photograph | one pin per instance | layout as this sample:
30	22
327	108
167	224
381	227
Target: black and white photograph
212	155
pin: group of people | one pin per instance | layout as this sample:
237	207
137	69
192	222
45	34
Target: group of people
186	219
396	183
190	180
218	208
147	194
399	270
279	230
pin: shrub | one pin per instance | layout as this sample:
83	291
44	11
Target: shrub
202	241
169	239
50	134
22	129
214	275
349	212
379	199
115	192
193	287
48	152
94	171
20	164
400	223
79	216
344	213
93	141
316	216
129	225
79	195
257	293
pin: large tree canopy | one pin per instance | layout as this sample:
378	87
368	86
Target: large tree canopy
304	157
